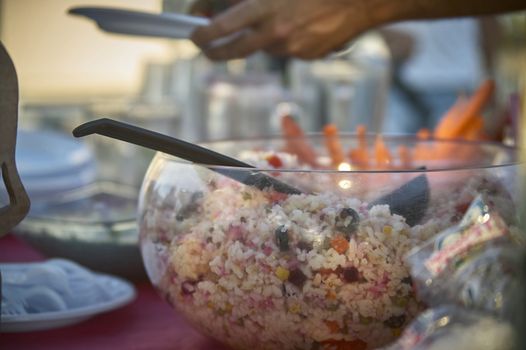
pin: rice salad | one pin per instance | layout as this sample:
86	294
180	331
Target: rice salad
262	270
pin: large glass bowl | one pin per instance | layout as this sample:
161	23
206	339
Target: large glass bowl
259	269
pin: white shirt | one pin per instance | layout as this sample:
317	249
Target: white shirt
446	55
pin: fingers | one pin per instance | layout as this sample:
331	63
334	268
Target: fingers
297	47
209	8
299	28
315	40
306	51
238	17
249	42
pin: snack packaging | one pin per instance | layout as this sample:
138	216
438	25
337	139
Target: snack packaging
450	327
475	264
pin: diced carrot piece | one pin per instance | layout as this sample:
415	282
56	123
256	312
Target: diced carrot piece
276	197
297	142
382	154
340	244
333	144
333	326
275	161
331	295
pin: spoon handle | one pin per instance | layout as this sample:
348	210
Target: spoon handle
185	150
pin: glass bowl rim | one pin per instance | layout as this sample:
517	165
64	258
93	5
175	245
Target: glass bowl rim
81	193
388	136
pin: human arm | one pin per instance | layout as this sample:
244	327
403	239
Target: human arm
313	28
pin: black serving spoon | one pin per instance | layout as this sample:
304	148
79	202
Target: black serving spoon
185	150
409	201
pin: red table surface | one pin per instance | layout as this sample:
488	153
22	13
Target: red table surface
146	323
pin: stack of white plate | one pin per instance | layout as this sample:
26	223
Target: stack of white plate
56	293
50	163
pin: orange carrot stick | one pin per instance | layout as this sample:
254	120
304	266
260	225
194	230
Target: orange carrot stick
360	155
476	129
382	154
422	153
333	144
296	141
422	149
463	114
475	105
405	157
423	134
361	132
445	129
446	126
463	121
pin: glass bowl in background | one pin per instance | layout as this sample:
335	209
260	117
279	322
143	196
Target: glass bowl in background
83	206
258	269
94	225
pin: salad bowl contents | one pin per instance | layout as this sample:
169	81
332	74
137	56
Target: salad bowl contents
323	268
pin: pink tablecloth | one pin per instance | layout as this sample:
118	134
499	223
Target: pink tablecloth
147	323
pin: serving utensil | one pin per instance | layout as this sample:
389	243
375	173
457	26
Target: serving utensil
18	206
185	150
410	200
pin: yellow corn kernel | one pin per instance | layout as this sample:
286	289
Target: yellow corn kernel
365	320
228	308
282	273
387	229
397	332
295	308
400	301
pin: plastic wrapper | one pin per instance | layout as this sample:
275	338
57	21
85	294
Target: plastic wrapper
450	327
474	264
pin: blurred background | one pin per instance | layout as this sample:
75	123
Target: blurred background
397	79
60	57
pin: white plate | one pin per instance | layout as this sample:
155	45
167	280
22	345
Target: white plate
50	162
42	153
121	293
165	25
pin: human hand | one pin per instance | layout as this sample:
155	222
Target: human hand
302	28
208	8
